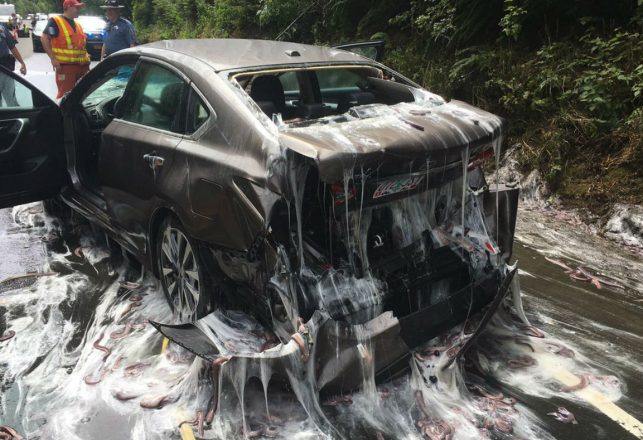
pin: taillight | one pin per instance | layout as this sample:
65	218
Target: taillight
340	195
480	159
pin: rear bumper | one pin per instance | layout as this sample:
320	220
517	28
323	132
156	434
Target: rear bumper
340	350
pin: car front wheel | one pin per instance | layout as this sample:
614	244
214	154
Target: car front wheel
183	266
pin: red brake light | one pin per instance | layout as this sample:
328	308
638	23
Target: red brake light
480	159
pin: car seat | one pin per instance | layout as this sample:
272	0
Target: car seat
168	106
354	99
268	93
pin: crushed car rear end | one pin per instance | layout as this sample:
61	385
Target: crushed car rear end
397	229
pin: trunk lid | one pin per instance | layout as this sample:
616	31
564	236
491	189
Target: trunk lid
404	138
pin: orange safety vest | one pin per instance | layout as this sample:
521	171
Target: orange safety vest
69	46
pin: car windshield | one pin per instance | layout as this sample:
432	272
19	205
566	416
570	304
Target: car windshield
92	23
112	86
40	26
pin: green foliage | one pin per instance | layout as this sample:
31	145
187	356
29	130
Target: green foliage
432	18
166	19
279	13
143	12
511	22
451	23
25	7
92	7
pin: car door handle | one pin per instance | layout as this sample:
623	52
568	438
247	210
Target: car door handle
153	161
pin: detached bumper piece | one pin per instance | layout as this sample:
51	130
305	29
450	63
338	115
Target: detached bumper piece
189	337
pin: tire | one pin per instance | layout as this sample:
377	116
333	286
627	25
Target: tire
186	270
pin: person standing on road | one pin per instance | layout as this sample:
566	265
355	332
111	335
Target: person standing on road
8	51
13	21
65	43
13	26
119	33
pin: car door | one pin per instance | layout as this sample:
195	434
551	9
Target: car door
369	49
138	147
32	155
88	109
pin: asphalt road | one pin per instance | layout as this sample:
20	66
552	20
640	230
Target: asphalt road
39	69
604	326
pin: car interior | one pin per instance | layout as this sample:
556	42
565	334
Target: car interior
305	94
97	112
155	99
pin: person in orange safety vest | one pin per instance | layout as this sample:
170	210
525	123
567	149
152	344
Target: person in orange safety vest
64	41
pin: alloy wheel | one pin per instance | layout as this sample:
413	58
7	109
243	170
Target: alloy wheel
180	272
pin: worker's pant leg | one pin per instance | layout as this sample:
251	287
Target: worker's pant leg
68	75
80	71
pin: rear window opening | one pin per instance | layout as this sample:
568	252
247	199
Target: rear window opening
303	94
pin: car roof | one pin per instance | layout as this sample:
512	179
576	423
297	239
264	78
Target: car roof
233	54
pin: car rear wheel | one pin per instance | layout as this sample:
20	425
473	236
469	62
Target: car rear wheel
185	270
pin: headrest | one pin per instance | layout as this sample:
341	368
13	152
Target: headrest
314	111
268	88
170	98
268	107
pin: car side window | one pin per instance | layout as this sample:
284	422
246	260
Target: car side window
111	85
290	83
338	80
14	94
155	98
197	113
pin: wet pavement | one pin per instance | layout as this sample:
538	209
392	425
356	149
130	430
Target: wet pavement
602	327
84	363
21	252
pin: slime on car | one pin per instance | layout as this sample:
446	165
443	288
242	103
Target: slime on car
309	212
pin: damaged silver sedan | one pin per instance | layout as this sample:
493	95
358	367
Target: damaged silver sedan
338	204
